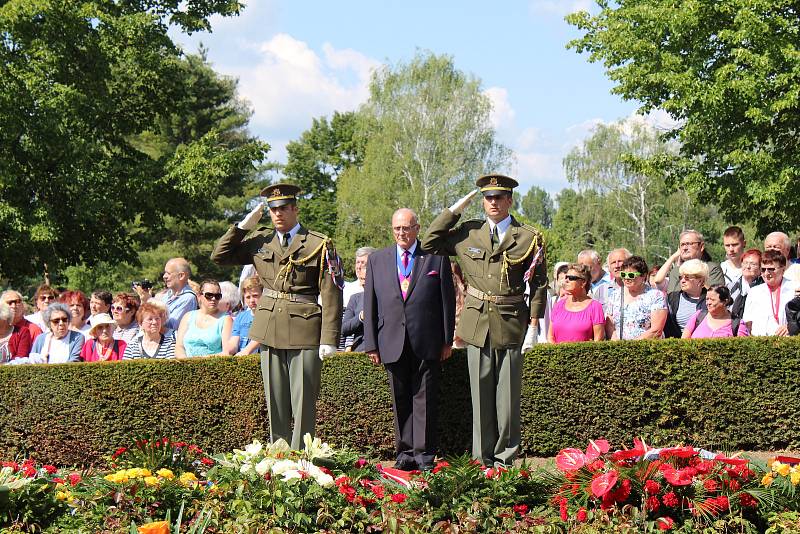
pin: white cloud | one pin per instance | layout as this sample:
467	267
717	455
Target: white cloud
291	83
560	7
502	115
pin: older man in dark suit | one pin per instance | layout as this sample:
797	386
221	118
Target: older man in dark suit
409	316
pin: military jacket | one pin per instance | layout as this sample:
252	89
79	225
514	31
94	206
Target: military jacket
278	322
483	269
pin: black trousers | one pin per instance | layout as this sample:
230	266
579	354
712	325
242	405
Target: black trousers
415	391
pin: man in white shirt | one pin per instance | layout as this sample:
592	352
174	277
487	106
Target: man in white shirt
601	280
765	309
780	242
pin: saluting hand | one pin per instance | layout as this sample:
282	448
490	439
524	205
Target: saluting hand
250	220
462	202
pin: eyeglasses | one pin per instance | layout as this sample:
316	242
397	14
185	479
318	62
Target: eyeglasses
750	264
573	278
214	296
47	297
690	243
629	275
14	301
59	320
404	229
689	277
119	309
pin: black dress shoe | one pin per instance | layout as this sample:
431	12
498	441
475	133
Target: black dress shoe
405	465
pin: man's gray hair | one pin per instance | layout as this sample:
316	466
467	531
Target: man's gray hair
5	313
589	253
690	231
11	291
56	307
623	249
413	214
787	243
364	251
230	293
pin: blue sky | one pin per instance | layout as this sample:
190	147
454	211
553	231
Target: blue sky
302	59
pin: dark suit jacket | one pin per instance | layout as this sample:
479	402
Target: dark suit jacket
671	327
351	324
426	317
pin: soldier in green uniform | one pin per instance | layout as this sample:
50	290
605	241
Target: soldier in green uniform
500	258
297	267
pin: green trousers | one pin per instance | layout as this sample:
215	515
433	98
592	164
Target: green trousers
291	385
495	377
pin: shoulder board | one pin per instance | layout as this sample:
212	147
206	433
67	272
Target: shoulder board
319	235
529	228
473	223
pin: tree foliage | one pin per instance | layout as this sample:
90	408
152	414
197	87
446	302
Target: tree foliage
537	206
729	73
428	139
315	162
97	155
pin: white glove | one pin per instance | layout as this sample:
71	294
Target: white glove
531	337
461	203
250	220
326	350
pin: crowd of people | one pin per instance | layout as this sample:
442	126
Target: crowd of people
752	292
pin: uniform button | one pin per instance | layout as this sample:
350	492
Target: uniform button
488	276
491	309
488	292
279	309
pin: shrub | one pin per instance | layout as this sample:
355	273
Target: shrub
727	393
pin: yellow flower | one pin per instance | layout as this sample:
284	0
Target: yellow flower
165	473
794	476
63	495
781	468
188	479
120	477
767	480
151	481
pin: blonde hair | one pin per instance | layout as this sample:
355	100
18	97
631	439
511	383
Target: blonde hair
694	268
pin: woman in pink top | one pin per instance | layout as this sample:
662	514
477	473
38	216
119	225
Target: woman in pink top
717	321
576	317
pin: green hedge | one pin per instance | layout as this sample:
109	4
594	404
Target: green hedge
728	393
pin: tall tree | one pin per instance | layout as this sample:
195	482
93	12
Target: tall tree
428	138
728	72
80	82
315	162
537	206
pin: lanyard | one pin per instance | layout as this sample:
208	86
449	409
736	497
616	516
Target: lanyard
405	272
776	303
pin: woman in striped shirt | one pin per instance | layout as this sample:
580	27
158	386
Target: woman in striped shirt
152	343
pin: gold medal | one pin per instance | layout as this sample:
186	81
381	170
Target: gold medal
404	285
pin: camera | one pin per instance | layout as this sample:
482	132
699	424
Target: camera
144	284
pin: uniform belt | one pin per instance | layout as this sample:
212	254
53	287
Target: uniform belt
497	299
291	297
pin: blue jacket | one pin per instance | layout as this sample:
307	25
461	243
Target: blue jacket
76	341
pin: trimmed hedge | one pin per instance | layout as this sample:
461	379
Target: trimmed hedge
726	393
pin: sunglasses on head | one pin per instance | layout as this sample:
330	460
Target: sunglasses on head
214	296
629	275
572	277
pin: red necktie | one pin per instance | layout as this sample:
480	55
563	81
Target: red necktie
405	259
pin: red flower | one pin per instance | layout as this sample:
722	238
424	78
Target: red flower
704	467
570	459
58	480
747	500
12	465
349	492
710	485
733	484
678	452
665	523
207	461
596	465
520	509
652	487
523	473
342	480
366	483
562	510
439	466
639	449
378	491
671	500
119	451
179	444
360	463
653	504
596	448
29	471
737	462
602	484
74	478
399	498
50	468
268	476
676	477
581	517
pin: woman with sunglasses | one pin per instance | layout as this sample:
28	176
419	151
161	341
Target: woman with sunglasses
688	299
639	311
204	332
124	310
576	317
79	307
58	344
44	296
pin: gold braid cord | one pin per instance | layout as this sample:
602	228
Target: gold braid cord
507	261
286	269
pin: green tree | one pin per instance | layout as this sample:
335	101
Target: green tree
81	84
428	139
315	162
729	73
537	206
